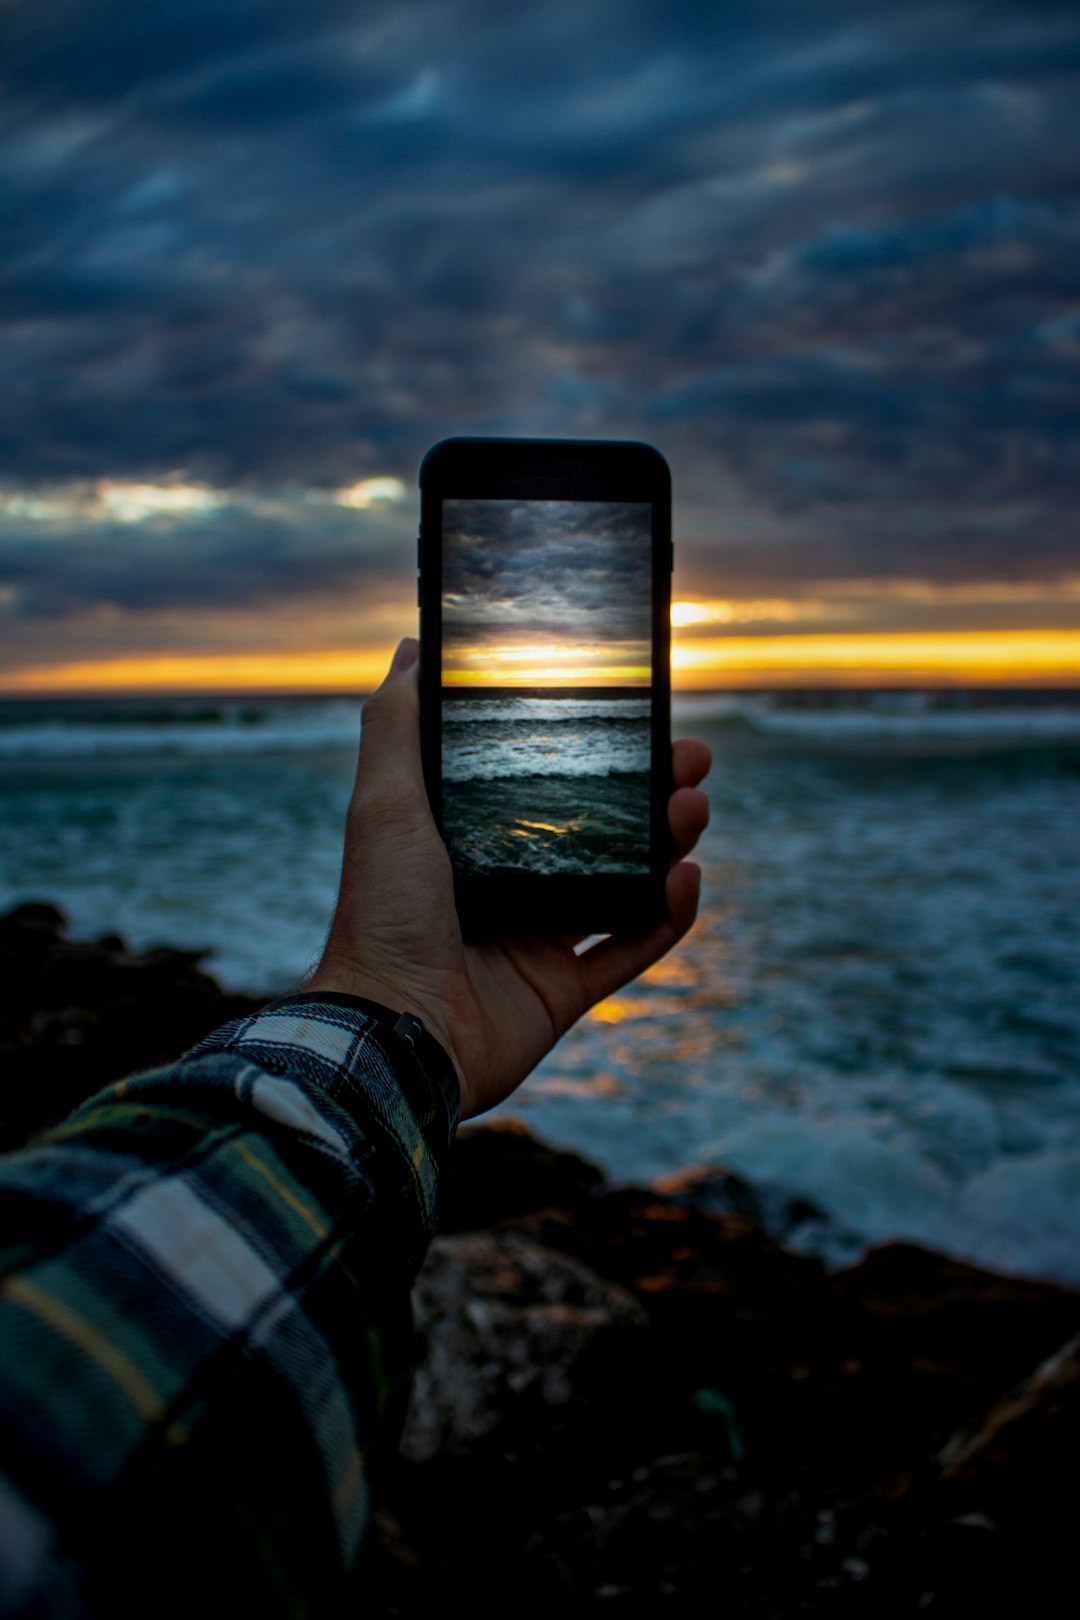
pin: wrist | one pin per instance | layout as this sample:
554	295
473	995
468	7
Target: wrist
344	979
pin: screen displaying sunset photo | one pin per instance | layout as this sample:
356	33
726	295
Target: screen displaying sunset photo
545	673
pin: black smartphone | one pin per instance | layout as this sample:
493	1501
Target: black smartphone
545	592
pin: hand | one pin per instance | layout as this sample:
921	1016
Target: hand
496	1005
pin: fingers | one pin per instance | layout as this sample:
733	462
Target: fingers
691	761
617	960
688	808
390	762
688	816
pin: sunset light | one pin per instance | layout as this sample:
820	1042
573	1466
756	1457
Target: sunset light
1035	657
356	671
947	658
740	612
529	664
369	490
553	674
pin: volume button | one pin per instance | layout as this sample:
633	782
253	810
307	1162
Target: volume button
419	590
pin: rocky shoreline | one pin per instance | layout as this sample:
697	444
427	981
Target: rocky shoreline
637	1400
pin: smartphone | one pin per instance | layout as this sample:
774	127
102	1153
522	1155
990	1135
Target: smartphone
545	591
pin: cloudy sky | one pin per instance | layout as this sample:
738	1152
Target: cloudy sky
546	593
257	256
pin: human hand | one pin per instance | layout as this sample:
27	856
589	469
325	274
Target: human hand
496	1005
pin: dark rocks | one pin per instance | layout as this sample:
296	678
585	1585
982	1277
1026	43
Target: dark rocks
77	1014
777	1441
714	1190
500	1170
518	1348
639	1399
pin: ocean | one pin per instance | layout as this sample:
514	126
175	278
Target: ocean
546	783
878	1009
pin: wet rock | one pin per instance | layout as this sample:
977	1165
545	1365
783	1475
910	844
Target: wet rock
786	1216
516	1344
712	1190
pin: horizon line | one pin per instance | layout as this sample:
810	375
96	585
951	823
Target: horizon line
195	694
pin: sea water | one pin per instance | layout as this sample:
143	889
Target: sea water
877	1010
546	783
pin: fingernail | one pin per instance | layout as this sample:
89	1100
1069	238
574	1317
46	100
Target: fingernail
408	651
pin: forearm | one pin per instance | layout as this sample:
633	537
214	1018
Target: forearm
204	1323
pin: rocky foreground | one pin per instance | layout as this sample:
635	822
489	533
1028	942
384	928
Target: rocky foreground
637	1400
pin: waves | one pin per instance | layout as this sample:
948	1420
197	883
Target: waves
549	710
549	824
876	1009
525	739
48	731
91	729
1007	720
552	784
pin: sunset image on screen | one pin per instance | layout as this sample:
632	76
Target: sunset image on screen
545	671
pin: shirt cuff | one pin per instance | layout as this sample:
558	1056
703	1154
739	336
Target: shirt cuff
349	1048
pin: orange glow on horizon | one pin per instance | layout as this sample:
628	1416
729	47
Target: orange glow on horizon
521	663
957	657
357	670
970	657
550	675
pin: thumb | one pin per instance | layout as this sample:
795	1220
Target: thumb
390	728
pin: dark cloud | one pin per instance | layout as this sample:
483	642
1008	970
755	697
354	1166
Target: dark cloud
546	571
823	254
231	557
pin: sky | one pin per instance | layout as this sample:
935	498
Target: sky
257	256
546	593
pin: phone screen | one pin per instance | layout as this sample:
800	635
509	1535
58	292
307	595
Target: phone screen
546	686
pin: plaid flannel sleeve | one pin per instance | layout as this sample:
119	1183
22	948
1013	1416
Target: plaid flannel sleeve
205	1335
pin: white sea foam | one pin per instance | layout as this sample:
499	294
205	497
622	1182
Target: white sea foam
885	716
582	756
551	711
513	737
188	734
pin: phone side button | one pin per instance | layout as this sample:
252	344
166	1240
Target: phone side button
419	590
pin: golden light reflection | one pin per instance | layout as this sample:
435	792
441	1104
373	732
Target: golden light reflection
617	1009
610	1012
674	970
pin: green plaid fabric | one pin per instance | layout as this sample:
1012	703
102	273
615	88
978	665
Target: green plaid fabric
205	1336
